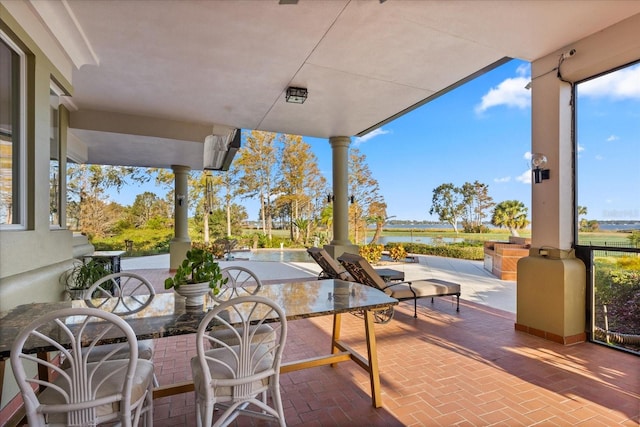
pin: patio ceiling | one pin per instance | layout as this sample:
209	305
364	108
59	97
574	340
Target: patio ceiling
153	78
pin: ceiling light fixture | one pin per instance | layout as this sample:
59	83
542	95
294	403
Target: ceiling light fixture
296	95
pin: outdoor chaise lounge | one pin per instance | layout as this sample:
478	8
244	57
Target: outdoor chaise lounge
330	268
362	272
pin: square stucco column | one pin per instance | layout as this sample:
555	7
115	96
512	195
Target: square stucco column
551	281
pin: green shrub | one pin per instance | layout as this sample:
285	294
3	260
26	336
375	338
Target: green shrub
463	250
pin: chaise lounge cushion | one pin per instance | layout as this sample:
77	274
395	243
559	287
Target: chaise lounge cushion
364	273
422	288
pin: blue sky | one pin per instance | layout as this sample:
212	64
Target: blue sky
482	131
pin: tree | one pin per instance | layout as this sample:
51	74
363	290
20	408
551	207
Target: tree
364	190
477	201
582	211
511	214
86	199
299	184
229	182
448	203
146	206
257	163
378	216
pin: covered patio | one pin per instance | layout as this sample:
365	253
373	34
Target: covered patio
442	369
137	84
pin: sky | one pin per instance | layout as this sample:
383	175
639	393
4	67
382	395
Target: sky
482	131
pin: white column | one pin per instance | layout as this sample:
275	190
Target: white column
181	242
340	167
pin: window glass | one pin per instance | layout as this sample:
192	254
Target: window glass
608	156
12	66
54	157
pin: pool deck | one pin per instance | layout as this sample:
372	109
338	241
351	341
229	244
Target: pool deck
477	284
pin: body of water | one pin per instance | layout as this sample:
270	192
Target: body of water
417	239
285	255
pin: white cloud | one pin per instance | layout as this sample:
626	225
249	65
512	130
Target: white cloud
510	92
501	180
527	155
524	70
621	84
580	148
525	178
376	132
599	157
612	138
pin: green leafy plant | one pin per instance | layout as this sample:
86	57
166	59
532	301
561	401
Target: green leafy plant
83	275
199	266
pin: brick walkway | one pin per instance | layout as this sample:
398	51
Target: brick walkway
443	369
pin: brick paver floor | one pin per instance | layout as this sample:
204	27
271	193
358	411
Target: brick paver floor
443	369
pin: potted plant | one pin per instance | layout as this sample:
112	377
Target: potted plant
83	274
195	276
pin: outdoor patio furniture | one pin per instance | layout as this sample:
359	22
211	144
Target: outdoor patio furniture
119	285
333	270
330	268
364	273
87	393
241	281
235	378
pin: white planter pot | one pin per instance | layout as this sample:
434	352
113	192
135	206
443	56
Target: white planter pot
194	293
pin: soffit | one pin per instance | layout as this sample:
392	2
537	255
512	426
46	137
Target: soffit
230	62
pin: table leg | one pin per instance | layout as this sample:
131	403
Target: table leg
372	353
43	371
335	337
2	366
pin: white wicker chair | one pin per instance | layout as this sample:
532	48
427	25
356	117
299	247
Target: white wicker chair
123	284
235	378
241	281
87	393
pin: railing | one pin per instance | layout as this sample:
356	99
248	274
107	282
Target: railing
613	295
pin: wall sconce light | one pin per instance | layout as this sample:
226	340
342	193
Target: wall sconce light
296	95
331	198
538	162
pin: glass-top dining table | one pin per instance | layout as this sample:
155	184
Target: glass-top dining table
165	315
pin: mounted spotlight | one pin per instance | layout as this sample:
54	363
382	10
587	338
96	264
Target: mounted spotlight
539	161
296	95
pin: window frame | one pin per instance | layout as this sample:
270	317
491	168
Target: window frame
54	89
20	223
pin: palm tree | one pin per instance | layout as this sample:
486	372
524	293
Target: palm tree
582	211
511	214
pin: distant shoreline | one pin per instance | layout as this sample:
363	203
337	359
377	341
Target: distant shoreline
436	227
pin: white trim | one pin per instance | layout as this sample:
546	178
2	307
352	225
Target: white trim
22	164
55	93
63	24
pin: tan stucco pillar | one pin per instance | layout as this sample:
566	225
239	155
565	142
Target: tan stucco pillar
340	178
181	242
551	280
